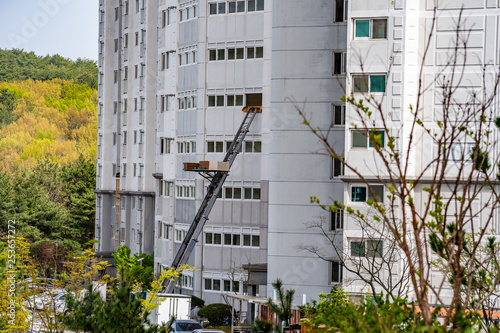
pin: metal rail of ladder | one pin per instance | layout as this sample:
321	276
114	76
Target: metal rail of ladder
216	179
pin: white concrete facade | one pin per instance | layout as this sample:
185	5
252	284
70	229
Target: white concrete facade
179	75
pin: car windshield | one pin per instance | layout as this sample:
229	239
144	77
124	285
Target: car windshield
188	326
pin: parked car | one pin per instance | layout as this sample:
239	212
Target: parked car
207	330
186	326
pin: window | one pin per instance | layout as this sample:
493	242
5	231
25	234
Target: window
114	138
339	62
135	169
373	83
370	28
115	107
337	168
115	76
338	114
357	249
366	139
165	231
124	174
255	5
126	8
216	100
340	10
337	219
124	137
125	41
114	169
234	100
116	45
255	52
336	272
136	71
212	284
170	16
117	14
232	193
362	193
253	146
235	53
136	38
125	73
213	238
370	248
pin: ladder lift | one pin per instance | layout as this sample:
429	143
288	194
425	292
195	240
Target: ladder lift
216	178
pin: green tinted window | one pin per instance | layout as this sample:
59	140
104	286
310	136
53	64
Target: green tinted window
362	28
359	139
360	83
377	83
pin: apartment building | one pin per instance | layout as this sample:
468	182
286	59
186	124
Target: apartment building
174	77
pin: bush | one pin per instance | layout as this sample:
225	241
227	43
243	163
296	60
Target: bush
218	314
196	302
262	325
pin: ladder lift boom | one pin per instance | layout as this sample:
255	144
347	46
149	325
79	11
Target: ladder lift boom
217	179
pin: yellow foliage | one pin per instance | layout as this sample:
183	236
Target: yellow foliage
82	268
64	112
152	301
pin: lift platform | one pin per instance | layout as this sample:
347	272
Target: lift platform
216	173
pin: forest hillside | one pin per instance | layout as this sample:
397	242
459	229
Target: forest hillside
48	130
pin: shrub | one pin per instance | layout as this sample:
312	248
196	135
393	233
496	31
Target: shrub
262	325
217	314
196	302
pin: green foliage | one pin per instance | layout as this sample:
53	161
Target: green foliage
262	325
118	315
283	309
17	64
137	269
217	314
377	314
51	202
7	105
196	302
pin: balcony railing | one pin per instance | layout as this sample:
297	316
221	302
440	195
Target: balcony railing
143	15
141	150
142	49
141	116
141	82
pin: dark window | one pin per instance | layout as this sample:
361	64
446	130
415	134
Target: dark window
337	219
336	272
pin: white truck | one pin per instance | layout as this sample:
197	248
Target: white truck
171	305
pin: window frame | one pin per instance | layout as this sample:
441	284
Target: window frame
368	142
343	63
368	81
368	193
370	28
339	268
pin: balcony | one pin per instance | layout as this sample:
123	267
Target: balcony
140	184
143	15
141	116
141	82
142	49
140	153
